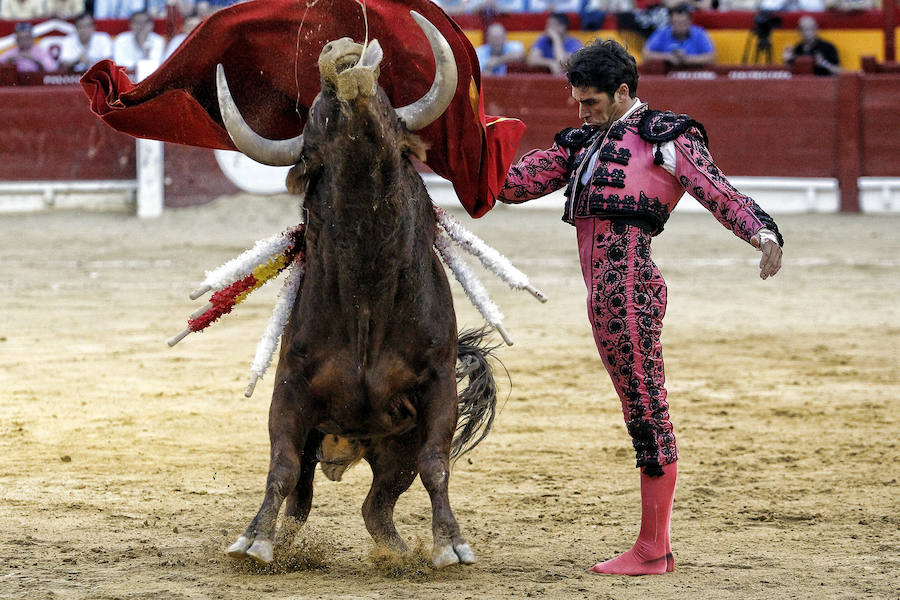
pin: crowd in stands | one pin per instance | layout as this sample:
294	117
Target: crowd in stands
22	10
665	26
83	47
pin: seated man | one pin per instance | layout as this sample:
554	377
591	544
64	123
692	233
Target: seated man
188	25
27	57
19	10
458	7
140	43
86	46
498	51
824	54
680	43
64	9
553	49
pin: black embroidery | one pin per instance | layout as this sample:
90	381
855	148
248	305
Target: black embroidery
627	289
574	139
617	131
651	209
608	152
658	127
603	176
767	221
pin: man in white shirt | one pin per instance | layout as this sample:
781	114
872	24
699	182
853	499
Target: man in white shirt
123	9
498	51
79	50
140	43
190	23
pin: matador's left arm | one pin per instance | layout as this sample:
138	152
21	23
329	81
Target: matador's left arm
701	178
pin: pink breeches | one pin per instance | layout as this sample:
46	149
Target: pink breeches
626	304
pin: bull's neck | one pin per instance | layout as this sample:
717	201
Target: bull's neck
368	233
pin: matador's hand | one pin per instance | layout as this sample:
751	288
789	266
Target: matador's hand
767	243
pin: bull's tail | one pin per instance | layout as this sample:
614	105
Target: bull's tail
478	399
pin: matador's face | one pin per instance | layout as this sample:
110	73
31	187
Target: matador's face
599	108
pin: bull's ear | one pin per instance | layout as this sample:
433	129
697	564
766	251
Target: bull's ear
299	175
413	144
372	55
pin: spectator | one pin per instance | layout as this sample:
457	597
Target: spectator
27	57
204	8
824	54
793	5
458	7
190	23
498	51
21	10
86	46
559	6
506	6
680	42
140	43
553	49
739	5
123	9
64	9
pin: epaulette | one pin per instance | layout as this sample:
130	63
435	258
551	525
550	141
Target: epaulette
658	127
574	139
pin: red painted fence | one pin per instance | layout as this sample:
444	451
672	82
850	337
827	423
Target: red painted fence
843	127
805	126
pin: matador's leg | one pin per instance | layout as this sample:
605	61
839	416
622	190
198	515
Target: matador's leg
626	303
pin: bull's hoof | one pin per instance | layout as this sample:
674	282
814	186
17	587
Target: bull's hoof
261	551
465	554
239	548
444	556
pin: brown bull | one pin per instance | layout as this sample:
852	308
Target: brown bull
368	358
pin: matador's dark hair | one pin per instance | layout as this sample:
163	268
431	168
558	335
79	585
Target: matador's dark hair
605	65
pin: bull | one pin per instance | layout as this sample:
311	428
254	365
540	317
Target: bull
368	360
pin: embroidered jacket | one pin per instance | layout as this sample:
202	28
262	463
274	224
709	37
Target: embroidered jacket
631	176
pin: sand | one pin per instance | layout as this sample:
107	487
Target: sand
127	467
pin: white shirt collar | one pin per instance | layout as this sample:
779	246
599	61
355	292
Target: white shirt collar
637	104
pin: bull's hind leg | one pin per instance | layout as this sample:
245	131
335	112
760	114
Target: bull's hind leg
434	468
287	435
393	465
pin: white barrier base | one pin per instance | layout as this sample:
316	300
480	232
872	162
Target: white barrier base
29	196
776	195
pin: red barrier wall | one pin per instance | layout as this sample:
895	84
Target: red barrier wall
780	128
708	19
880	131
843	127
806	126
49	133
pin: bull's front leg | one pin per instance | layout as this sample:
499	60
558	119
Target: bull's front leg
434	469
288	430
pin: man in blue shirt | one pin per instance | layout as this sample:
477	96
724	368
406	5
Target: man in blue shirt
497	52
680	42
553	49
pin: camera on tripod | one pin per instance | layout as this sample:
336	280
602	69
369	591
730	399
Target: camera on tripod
763	23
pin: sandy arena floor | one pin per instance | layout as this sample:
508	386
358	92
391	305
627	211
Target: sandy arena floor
127	467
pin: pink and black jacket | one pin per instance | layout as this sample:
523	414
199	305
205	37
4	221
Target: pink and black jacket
632	178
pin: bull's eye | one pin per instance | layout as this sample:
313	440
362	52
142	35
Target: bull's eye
327	48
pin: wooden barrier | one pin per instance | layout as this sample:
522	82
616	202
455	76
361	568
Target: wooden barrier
804	126
48	133
842	127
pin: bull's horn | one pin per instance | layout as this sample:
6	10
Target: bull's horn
432	105
277	153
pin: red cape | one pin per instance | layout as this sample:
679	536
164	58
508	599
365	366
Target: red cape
270	49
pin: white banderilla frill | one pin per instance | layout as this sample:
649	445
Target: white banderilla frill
266	346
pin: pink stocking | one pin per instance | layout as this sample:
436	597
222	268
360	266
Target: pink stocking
652	552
